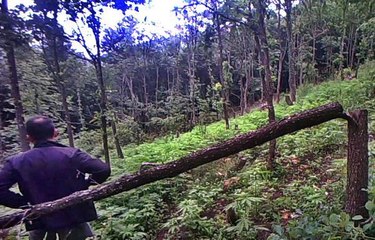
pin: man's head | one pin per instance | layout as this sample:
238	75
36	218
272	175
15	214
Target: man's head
40	128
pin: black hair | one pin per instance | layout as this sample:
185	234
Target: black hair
40	128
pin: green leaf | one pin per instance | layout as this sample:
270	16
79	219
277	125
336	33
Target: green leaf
367	226
278	229
370	205
357	217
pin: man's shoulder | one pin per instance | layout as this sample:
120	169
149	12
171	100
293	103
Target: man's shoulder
15	156
69	151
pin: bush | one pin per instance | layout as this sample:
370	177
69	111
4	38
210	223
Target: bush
129	131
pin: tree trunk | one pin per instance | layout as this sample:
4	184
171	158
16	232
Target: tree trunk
157	86
116	140
262	45
354	48
342	42
279	75
80	109
67	115
291	62
15	91
313	57
61	85
225	87
358	164
240	143
103	100
36	102
191	73
168	81
248	83
144	82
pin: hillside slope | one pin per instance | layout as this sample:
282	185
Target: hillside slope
302	199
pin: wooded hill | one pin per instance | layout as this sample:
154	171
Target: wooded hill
144	86
137	98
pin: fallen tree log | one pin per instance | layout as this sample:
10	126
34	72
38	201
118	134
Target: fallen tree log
237	144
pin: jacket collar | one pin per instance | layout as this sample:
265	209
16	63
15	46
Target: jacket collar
47	143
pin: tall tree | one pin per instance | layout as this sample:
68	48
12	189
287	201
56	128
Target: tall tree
291	57
258	27
89	12
225	87
53	44
9	46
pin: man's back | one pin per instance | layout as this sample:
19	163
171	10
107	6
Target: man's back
48	172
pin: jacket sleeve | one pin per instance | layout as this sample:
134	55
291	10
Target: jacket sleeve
98	170
8	177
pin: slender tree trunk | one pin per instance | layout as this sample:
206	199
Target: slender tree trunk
342	42
103	100
67	115
157	85
279	75
242	83
248	82
358	164
80	109
191	73
15	91
354	48
116	140
36	102
313	55
168	81
262	45
292	79
281	55
61	84
144	81
222	81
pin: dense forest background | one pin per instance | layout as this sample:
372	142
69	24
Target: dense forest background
144	86
130	97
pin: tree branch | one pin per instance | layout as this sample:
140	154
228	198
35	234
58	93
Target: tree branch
237	144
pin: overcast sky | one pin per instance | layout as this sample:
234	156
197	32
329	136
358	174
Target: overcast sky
159	16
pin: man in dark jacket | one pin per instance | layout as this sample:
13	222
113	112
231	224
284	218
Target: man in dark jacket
48	172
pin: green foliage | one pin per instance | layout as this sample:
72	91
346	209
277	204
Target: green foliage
314	207
129	131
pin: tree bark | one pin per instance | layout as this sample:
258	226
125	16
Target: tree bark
354	49
15	91
358	164
279	74
342	41
116	140
232	146
62	89
291	62
262	45
103	99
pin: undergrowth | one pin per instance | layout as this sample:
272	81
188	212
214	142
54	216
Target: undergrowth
301	199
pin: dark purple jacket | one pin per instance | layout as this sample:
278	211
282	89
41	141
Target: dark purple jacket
48	172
